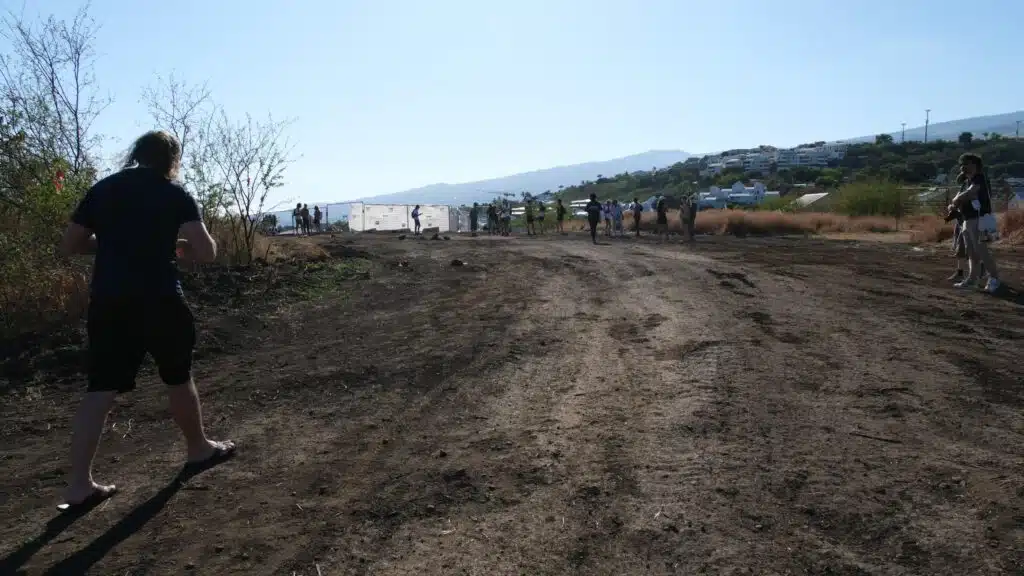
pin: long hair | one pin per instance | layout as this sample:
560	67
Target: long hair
157	150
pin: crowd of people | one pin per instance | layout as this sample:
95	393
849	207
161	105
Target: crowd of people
611	212
303	223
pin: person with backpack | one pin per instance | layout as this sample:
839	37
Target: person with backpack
136	303
974	203
416	219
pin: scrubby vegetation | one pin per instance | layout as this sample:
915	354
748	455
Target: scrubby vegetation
50	101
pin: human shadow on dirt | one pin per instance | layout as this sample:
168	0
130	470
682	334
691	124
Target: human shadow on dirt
1010	294
82	561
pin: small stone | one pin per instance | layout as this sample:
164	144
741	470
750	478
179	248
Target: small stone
431	508
190	566
218	548
758	526
441	454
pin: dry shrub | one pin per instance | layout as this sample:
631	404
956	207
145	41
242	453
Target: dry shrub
1011	226
925	227
38	288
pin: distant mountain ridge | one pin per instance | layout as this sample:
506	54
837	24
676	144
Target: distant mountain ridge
538	181
535	182
1002	124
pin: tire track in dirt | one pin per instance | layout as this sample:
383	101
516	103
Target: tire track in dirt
873	478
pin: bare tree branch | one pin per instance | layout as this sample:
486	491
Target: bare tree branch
250	157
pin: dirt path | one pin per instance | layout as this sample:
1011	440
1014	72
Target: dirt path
740	407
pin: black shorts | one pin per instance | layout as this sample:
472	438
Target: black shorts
121	331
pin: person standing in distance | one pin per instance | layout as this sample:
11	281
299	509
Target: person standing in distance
638	208
560	216
416	219
972	203
132	221
594	211
662	210
474	215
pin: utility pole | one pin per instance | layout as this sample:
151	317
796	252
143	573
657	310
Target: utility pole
927	113
903	132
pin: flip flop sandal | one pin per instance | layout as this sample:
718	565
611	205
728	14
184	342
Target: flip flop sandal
95	499
220	454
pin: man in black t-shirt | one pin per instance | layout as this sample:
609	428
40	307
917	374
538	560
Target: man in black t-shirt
594	210
662	210
973	203
474	213
131	221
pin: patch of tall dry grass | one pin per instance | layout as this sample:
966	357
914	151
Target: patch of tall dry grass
40	289
924	228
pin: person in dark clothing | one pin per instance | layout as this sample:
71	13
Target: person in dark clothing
638	208
297	219
542	211
662	210
317	218
305	219
132	221
416	219
560	216
492	219
474	214
594	210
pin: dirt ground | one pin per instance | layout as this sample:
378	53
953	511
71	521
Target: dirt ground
740	406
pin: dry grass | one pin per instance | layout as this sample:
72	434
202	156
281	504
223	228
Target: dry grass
1011	227
922	228
42	290
925	228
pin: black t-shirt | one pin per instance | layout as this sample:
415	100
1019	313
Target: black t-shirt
637	209
136	215
473	214
984	198
662	211
594	210
560	212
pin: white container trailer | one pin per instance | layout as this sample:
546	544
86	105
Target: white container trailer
391	217
385	217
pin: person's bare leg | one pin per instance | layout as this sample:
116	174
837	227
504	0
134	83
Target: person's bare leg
87	428
188	415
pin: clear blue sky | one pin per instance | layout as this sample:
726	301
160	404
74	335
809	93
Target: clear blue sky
393	94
